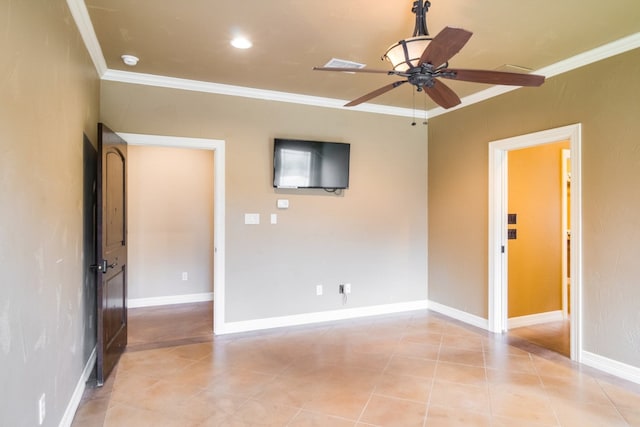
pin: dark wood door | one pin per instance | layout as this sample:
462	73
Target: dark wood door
112	251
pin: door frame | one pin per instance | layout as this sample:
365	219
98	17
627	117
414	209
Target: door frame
566	182
218	147
498	209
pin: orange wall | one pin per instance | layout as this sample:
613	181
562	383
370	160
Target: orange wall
535	257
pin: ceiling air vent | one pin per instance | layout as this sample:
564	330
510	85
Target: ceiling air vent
343	63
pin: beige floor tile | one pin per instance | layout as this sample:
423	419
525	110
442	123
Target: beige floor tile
580	390
261	413
287	391
311	419
415	349
461	356
391	412
444	416
631	415
193	352
125	416
338	403
426	336
510	362
91	413
240	383
402	365
521	404
523	379
554	368
575	414
462	374
621	397
385	370
461	396
497	421
404	387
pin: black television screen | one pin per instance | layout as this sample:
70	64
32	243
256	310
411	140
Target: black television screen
310	164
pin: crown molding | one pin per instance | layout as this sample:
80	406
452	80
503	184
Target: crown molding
81	17
247	92
608	50
83	22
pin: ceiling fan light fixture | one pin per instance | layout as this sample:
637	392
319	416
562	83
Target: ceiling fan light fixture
406	54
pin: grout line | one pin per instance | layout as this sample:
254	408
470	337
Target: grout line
433	380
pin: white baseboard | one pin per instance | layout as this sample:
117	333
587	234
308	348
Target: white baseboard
319	317
460	315
535	319
76	397
610	366
168	300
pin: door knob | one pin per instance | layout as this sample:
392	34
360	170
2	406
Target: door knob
104	266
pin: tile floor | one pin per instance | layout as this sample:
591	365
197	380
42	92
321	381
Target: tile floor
417	369
554	336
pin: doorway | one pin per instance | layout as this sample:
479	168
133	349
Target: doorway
218	146
498	226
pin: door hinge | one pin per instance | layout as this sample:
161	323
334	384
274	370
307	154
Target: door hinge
502	249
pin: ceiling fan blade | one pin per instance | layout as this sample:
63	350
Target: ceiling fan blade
375	93
444	46
353	70
493	77
442	94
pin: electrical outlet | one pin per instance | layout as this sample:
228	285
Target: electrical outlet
347	288
42	409
319	290
185	276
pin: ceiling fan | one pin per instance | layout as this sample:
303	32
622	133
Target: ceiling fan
422	61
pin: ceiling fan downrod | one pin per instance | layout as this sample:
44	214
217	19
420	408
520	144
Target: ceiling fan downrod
420	8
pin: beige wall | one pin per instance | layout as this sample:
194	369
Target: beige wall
604	98
373	236
535	257
170	221
49	94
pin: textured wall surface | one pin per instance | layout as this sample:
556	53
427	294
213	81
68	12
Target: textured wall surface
372	236
608	108
49	94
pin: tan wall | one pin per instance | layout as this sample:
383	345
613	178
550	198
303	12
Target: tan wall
170	221
535	257
373	236
49	94
607	106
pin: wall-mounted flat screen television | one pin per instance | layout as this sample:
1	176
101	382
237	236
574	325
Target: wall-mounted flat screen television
310	164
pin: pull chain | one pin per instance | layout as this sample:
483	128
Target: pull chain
413	123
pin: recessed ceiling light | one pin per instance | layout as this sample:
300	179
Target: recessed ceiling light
130	60
241	43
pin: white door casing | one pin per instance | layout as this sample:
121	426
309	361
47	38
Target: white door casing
498	248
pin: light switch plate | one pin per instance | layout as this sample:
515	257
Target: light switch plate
283	204
274	218
252	218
